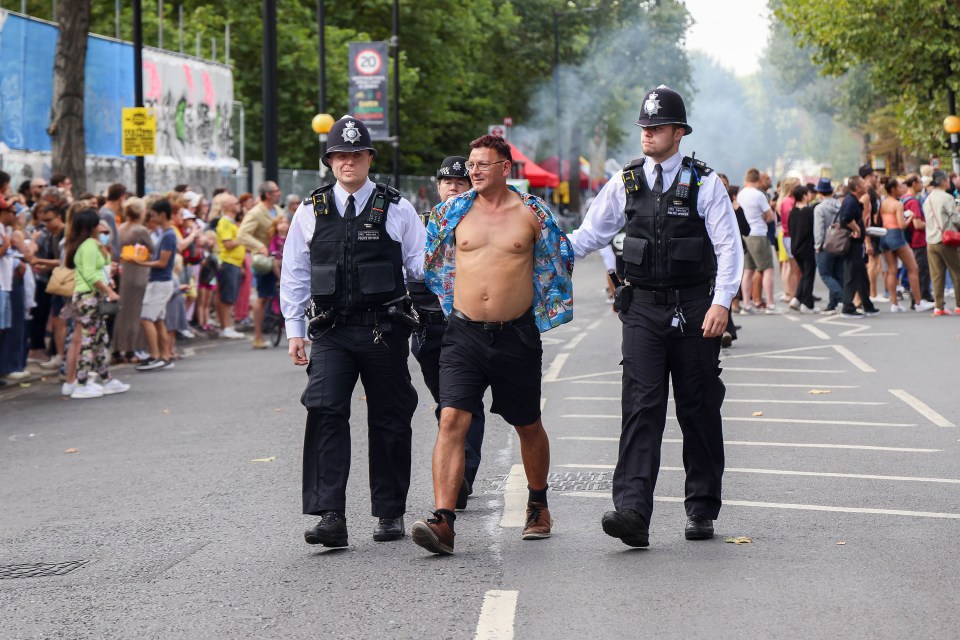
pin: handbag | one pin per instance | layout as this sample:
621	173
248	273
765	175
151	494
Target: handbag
108	307
62	282
837	239
949	237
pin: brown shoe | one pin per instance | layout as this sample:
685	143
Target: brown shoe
259	344
539	522
434	534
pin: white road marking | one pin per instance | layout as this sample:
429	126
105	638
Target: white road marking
543	403
515	498
755	443
922	408
795	357
848	423
786	472
784	505
572	344
790	318
585	375
791	386
554	371
854	359
775	352
823	335
497	615
783	370
746	401
593	325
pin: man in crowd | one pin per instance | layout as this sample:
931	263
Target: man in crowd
47	256
499	255
159	291
829	266
344	258
255	236
232	252
854	272
111	211
804	253
452	180
916	231
683	259
757	255
37	185
64	184
293	203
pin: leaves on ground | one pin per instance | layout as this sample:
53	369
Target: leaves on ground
270	459
842	542
739	540
72	450
165	412
757	413
818	392
278	410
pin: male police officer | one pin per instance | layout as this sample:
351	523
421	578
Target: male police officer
683	259
344	258
452	180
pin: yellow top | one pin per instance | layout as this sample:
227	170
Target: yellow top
227	230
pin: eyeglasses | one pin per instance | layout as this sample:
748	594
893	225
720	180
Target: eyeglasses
482	166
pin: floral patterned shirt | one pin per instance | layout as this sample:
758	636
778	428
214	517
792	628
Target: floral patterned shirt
552	255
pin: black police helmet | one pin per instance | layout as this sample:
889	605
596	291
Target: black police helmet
663	105
348	134
453	167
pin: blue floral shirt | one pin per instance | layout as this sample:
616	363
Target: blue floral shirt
553	259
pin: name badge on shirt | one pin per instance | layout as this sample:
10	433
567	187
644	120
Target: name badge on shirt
673	210
364	234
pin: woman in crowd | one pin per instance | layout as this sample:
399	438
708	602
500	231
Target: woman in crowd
128	336
88	253
894	246
789	270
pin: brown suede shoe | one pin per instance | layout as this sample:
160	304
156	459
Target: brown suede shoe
539	522
434	534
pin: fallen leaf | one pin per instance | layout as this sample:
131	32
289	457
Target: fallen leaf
24	385
758	413
165	411
364	398
270	459
841	542
818	392
739	540
278	410
72	451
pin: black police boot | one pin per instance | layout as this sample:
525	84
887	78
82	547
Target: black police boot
465	490
331	531
628	525
698	528
388	529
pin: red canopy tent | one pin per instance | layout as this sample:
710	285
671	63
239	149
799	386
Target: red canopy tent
550	164
527	168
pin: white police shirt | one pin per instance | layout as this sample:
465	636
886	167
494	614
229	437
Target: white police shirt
403	225
605	218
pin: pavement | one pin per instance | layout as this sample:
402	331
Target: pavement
173	511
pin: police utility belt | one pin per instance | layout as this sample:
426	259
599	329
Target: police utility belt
399	311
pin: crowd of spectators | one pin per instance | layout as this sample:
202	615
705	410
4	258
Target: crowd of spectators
88	281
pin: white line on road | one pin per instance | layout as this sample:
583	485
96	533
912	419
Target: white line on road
784	370
791	386
795	357
849	423
585	375
783	505
823	335
755	443
922	408
515	498
572	344
787	472
854	360
769	353
790	318
543	403
747	401
593	325
497	615
555	367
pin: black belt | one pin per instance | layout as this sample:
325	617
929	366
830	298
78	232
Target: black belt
490	326
430	316
362	318
671	296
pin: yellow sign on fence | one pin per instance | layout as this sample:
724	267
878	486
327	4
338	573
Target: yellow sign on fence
139	131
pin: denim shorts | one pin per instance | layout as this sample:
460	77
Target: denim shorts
893	240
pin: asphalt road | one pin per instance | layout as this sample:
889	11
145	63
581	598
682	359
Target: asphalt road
842	455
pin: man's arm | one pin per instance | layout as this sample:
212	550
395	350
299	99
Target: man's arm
604	219
246	233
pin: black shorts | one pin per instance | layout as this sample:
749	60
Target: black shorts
508	359
229	278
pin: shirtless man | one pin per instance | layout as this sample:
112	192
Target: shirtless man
507	266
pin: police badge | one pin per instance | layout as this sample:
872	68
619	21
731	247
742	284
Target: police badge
457	166
650	106
350	132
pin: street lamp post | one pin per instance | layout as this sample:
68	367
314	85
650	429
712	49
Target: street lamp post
951	124
321	126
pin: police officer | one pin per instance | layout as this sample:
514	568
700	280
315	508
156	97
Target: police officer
452	179
343	281
682	265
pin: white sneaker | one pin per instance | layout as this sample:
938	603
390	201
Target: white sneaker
89	390
187	334
829	312
794	304
948	291
879	298
897	308
805	309
115	386
52	363
17	375
924	305
231	333
772	311
68	388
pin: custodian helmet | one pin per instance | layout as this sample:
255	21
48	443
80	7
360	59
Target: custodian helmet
453	167
663	105
348	134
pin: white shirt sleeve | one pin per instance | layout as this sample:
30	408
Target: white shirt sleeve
604	219
295	271
404	226
714	206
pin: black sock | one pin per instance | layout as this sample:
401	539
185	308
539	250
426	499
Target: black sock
539	496
448	516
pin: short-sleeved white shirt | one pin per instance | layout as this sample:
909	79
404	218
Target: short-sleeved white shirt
754	204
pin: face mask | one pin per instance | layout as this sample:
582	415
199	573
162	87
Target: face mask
104	239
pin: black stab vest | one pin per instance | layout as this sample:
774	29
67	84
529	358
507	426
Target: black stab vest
355	265
667	245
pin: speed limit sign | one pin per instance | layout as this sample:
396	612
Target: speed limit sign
497	130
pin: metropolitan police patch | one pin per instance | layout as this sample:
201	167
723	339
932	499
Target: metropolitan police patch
350	132
651	105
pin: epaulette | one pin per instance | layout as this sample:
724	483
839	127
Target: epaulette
319	200
631	180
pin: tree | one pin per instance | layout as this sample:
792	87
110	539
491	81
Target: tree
68	146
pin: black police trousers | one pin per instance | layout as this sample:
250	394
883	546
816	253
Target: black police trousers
426	349
337	359
653	349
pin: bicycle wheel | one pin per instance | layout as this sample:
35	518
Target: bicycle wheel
278	333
